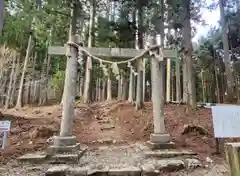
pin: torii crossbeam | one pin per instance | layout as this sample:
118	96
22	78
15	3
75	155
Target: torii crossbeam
109	52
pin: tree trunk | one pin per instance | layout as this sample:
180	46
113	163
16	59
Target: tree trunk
81	86
168	92
27	91
42	94
130	94
17	70
124	88
47	78
1	15
230	86
120	87
217	83
3	88
144	78
139	96
178	79
191	88
203	87
103	93
109	89
20	92
139	45
11	81
99	90
88	74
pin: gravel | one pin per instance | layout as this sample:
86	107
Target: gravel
108	157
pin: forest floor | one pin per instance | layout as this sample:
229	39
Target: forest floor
112	124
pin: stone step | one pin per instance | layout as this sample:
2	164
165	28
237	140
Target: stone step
32	158
168	153
146	169
107	127
104	122
108	141
62	149
66	158
156	146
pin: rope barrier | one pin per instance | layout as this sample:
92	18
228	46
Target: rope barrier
80	48
115	64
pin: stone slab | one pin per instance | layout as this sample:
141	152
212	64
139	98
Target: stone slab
78	171
192	163
155	146
160	138
64	140
168	153
149	170
104	122
169	165
60	170
62	149
130	171
32	158
72	158
96	172
107	127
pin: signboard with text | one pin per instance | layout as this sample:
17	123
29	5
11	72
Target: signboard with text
226	121
5	127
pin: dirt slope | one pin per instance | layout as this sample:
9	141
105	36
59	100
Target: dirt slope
117	122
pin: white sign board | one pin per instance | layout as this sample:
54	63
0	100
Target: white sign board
5	126
226	121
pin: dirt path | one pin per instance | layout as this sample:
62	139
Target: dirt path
103	127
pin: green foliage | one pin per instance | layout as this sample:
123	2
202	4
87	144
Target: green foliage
58	80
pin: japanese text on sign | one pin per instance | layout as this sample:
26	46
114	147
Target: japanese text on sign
226	121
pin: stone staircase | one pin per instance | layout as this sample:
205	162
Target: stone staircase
129	160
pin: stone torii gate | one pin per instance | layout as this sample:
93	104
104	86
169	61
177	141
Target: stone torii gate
66	142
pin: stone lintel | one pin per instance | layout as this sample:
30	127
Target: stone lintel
64	140
160	138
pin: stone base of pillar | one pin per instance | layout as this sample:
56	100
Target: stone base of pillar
61	144
160	141
64	140
63	151
160	138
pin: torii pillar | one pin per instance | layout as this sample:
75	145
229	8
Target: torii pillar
66	141
160	138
